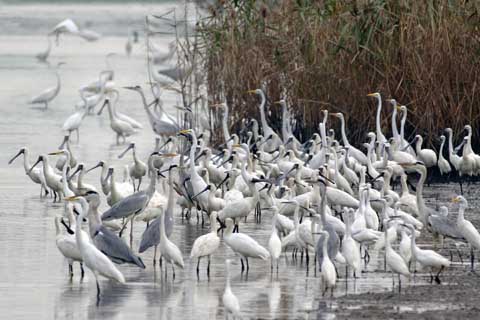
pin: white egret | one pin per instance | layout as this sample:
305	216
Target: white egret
207	244
121	128
93	258
242	244
47	95
138	169
274	242
329	275
229	300
67	245
466	228
442	163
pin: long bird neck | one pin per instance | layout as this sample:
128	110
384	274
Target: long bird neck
285	133
344	134
418	145
26	161
394	123
57	88
110	112
378	125
405	190
150	115
402	125
213	223
226	133
193	172
94	220
420	202
265	126
440	152
461	213
325	246
79	236
170	203
450	144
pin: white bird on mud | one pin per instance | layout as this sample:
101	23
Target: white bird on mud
466	228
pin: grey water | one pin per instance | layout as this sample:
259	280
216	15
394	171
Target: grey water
34	280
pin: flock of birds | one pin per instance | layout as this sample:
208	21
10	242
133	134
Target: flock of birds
325	196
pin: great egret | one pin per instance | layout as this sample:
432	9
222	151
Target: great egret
47	95
207	244
93	258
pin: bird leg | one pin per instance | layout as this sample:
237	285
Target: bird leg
307	258
208	267
243	267
437	276
98	289
139	183
198	266
248	266
155	256
82	270
70	270
472	259
131	231
173	271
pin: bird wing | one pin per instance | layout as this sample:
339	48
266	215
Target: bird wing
205	245
46	94
132	204
151	236
115	248
247	246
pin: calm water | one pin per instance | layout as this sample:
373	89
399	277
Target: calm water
33	275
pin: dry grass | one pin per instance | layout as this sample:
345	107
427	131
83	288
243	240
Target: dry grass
330	54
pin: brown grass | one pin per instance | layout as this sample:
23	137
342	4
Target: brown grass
330	54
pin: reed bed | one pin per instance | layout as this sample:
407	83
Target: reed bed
329	54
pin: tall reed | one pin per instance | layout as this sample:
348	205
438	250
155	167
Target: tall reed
329	54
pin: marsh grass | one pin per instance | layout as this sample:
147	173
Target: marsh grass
329	54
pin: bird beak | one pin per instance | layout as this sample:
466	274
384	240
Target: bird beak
98	165
236	146
103	106
204	190
75	172
55	153
251	91
35	164
455	200
126	150
221	164
72	198
200	155
109	173
65	139
129	88
69	230
16	156
224	180
371	95
168	155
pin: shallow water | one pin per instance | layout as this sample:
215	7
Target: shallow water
34	281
